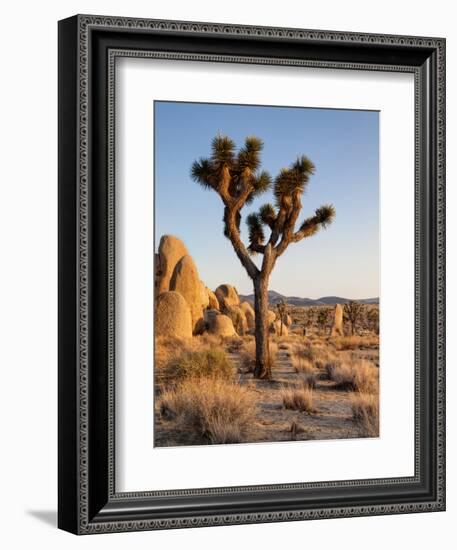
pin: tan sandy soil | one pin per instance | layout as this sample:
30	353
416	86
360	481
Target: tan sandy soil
331	418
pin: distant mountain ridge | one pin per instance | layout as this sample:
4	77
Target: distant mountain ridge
276	297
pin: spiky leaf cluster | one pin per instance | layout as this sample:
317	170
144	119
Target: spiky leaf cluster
293	180
239	170
323	217
249	155
256	233
268	215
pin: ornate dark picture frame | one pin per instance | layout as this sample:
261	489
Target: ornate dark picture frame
88	47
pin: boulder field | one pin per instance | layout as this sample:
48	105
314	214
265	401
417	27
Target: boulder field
185	306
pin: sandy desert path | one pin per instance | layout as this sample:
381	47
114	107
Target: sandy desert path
331	418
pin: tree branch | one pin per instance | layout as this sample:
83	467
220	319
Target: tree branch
289	225
223	184
321	219
239	201
233	234
312	227
277	226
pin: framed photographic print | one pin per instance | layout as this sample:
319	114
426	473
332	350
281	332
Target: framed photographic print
251	274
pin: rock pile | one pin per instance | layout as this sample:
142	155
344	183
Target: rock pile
172	316
176	272
227	296
249	313
221	325
186	281
185	306
171	250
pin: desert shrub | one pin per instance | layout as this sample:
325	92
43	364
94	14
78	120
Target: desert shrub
331	368
248	354
301	364
316	356
309	379
234	344
209	410
306	352
200	364
365	412
359	376
205	341
368	341
168	348
166	351
297	399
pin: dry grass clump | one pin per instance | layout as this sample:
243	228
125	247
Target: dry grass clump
305	351
324	355
166	351
205	341
209	410
248	354
309	357
361	376
365	412
168	347
199	364
297	399
369	341
309	379
300	364
234	344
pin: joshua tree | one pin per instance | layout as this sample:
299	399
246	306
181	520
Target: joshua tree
282	313
308	316
353	312
323	317
373	319
237	179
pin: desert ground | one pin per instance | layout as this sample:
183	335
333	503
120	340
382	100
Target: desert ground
325	365
322	388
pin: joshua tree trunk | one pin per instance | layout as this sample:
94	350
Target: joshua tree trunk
262	363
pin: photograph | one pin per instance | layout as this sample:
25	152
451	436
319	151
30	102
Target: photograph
267	274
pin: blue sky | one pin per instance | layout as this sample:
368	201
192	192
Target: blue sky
342	260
